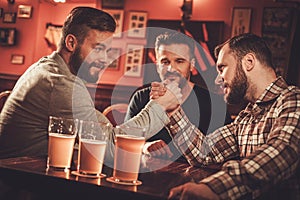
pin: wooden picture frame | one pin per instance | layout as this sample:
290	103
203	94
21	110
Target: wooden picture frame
134	60
9	17
276	19
7	36
241	21
112	4
276	25
137	24
24	11
113	57
1	12
119	17
278	43
17	59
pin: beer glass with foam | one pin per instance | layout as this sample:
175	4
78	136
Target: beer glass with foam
92	144
129	142
62	133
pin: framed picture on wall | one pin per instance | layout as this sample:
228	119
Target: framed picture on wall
1	12
114	4
24	11
276	25
241	20
17	59
278	43
9	17
276	19
137	24
7	36
134	59
113	57
119	17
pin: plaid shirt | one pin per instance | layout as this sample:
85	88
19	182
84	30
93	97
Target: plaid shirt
259	150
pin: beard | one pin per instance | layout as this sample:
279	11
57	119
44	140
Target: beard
238	87
177	77
86	71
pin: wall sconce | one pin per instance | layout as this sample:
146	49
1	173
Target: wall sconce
187	8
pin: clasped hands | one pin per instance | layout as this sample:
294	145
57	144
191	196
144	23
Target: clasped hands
167	94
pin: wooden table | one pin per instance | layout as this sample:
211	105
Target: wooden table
29	174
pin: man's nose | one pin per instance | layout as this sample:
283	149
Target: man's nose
172	68
218	80
100	55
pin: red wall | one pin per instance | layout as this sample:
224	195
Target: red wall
31	43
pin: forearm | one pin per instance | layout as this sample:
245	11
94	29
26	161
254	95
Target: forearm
152	116
187	138
252	175
199	149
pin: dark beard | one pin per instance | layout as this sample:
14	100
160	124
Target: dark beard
75	61
238	86
81	68
182	82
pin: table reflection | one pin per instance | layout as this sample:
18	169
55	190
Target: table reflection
158	176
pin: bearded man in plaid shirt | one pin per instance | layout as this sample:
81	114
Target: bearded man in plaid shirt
260	150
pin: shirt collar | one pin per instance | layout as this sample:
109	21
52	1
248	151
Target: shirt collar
61	63
270	93
273	90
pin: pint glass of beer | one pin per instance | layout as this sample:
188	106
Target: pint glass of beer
129	142
92	144
62	133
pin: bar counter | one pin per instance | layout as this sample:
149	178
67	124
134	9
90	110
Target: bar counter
158	176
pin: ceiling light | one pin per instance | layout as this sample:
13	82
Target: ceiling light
59	1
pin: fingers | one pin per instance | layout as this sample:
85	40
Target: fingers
192	191
167	82
155	84
157	94
157	90
174	88
175	192
169	98
158	148
168	152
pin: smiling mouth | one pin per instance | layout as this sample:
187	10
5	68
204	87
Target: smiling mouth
224	87
97	65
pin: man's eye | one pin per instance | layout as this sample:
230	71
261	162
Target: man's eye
165	63
98	49
109	50
221	68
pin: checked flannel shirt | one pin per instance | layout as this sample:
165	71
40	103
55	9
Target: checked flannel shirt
259	150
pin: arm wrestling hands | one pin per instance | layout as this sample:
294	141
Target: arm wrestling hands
167	95
170	98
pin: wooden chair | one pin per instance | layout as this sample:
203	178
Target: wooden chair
3	97
116	113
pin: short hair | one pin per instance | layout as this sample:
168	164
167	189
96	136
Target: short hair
175	37
245	43
82	19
